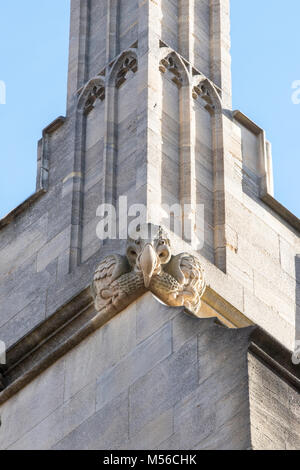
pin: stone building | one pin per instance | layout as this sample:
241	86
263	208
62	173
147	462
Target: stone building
149	116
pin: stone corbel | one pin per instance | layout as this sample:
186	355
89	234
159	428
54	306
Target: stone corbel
149	265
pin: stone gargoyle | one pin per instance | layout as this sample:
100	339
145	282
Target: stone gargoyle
148	266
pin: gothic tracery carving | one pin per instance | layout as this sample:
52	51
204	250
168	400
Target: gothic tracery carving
204	91
170	64
129	64
94	90
97	92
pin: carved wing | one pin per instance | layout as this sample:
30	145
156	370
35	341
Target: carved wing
189	274
111	268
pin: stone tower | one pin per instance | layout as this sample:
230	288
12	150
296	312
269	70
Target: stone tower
149	117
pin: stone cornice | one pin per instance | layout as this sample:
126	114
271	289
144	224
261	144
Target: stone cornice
275	356
21	208
77	319
224	311
48	342
282	211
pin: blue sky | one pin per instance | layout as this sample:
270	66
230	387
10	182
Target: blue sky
265	51
34	37
33	64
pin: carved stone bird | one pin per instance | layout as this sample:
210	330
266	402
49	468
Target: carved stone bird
149	266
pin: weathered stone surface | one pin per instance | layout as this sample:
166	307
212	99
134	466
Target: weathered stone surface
161	388
234	435
185	386
152	433
274	406
106	429
135	365
163	379
212	409
25	320
99	352
42	436
32	405
51	222
150	319
60	423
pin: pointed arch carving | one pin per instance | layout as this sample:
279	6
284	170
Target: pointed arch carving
125	64
178	136
121	69
209	95
205	90
175	67
93	90
103	87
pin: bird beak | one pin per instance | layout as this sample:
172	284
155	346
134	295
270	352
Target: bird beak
148	263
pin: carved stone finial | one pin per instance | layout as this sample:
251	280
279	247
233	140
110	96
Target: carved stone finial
149	266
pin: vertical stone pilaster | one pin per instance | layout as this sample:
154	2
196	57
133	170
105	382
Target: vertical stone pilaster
186	23
78	74
148	186
112	36
78	46
187	162
220	48
221	76
77	182
219	191
110	142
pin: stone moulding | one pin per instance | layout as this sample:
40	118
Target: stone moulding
275	356
48	342
21	207
77	319
282	211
